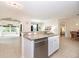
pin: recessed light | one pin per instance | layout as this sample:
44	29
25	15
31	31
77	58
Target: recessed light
76	24
14	4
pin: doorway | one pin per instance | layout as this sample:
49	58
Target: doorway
62	29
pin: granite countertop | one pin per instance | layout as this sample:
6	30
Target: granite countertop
37	35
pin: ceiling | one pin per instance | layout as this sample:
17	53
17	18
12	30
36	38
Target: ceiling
49	9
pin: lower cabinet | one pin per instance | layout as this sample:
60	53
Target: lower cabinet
53	44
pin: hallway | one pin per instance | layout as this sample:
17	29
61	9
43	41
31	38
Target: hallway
68	49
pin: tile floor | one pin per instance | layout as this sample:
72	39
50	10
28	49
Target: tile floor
69	48
10	48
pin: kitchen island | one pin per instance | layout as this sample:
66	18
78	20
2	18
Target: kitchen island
40	44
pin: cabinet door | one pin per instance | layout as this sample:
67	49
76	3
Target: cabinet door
50	46
55	43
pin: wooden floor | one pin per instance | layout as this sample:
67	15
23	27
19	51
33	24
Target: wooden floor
10	48
69	48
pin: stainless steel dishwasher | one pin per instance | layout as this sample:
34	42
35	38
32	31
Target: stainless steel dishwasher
41	48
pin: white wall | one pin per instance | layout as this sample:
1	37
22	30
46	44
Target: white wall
52	22
26	22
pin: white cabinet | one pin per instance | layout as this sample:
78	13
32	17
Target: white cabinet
27	48
50	46
53	44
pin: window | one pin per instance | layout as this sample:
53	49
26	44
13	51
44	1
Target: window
5	28
9	28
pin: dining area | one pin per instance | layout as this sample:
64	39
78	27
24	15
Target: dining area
74	35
